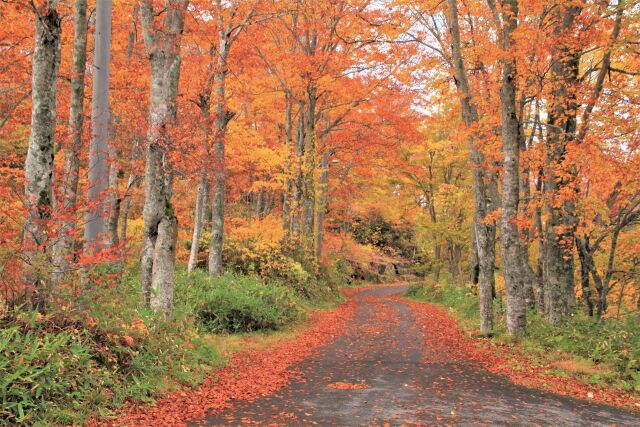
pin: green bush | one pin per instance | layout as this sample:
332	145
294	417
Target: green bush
59	367
41	371
242	304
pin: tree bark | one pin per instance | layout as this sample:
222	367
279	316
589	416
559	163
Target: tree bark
510	236
309	178
219	175
198	222
559	236
95	231
482	183
585	271
227	34
63	248
202	194
160	222
322	202
288	193
39	162
475	263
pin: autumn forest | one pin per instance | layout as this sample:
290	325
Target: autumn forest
212	209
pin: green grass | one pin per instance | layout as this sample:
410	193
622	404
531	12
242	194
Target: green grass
233	304
604	352
91	356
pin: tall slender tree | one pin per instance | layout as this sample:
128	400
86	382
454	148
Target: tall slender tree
39	162
482	182
509	234
228	32
162	43
95	222
67	200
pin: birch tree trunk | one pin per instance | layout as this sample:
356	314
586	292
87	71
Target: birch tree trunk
160	222
95	231
219	175
69	192
198	226
482	183
39	162
510	236
288	193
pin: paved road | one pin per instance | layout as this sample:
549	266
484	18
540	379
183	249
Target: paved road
382	373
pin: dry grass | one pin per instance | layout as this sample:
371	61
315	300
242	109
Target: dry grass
577	365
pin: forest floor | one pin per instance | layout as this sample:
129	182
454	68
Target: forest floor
376	360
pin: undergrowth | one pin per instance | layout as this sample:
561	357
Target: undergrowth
88	355
611	346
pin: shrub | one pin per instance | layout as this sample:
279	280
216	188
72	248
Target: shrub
270	262
58	367
242	304
46	371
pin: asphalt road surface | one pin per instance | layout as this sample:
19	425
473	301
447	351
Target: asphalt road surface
382	373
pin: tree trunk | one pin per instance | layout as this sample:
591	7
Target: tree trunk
113	200
558	254
160	223
309	179
475	263
133	180
322	202
39	162
288	193
602	297
198	222
510	236
95	231
202	194
482	183
584	256
298	171
69	192
219	176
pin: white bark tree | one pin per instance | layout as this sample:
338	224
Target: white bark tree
162	43
39	162
509	234
95	223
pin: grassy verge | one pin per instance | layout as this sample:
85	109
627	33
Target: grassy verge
90	356
595	352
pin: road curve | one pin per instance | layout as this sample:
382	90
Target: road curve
382	373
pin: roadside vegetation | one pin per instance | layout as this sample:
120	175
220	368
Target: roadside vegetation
90	357
597	351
